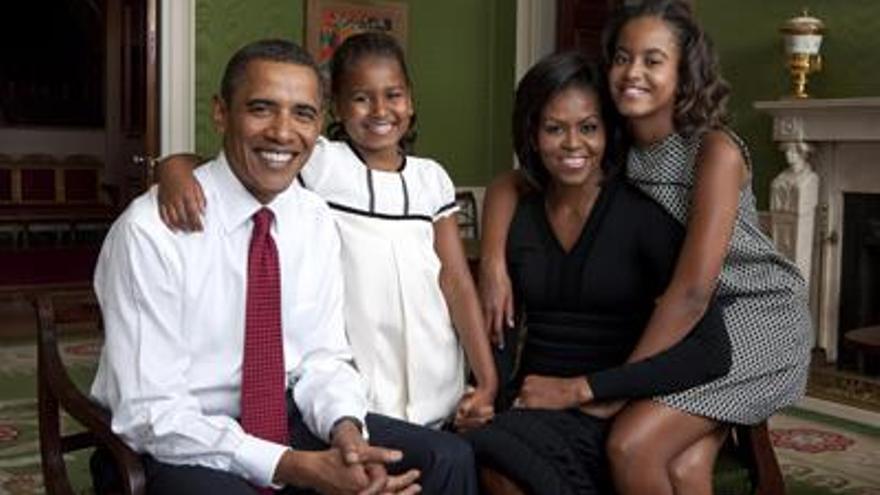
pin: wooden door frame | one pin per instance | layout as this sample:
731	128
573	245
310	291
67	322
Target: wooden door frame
567	21
177	83
535	33
132	95
151	130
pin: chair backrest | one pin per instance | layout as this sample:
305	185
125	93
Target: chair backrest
468	219
56	392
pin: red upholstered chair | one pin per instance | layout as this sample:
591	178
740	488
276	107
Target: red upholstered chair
10	232
38	183
57	394
82	179
81	185
5	184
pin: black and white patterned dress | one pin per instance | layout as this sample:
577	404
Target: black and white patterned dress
764	296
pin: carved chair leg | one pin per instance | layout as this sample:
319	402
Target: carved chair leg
51	452
766	475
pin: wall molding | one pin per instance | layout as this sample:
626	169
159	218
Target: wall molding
177	95
535	33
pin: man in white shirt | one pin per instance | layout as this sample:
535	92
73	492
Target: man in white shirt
176	314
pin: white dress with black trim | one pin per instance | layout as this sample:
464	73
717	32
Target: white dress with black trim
396	316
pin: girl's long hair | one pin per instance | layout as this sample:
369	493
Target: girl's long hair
701	95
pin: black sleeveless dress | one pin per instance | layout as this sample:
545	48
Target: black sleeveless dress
584	310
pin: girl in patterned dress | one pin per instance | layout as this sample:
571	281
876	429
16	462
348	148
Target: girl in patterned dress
664	79
410	301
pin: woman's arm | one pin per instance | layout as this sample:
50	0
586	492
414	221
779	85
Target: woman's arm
703	355
720	175
181	201
496	293
461	298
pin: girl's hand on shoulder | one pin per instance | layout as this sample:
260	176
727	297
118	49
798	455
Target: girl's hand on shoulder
475	409
496	295
181	199
550	392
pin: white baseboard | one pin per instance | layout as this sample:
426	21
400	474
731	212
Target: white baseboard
843	411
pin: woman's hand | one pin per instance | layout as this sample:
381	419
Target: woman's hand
496	294
181	200
475	409
550	392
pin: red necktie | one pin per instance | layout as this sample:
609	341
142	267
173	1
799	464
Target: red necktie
263	378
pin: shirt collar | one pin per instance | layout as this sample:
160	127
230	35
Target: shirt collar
235	204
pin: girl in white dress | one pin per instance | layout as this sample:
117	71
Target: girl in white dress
410	301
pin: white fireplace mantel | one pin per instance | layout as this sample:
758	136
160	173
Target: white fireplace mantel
842	119
845	136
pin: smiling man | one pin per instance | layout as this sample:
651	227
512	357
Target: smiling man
227	347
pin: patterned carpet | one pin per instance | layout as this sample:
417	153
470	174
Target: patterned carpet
820	455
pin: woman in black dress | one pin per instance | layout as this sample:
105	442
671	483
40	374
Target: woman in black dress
588	255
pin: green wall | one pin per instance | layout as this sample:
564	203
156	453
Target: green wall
746	35
461	55
222	26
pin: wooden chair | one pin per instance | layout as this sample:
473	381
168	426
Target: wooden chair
749	448
57	393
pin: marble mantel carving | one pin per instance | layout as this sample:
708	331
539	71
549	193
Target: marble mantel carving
840	138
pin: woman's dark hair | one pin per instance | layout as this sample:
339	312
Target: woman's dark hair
347	55
701	95
547	78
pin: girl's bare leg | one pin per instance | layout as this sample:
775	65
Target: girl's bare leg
646	437
691	471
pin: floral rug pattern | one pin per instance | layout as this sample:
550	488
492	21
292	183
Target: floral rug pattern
19	430
839	460
817	457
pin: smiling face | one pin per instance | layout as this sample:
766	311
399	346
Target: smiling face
644	71
374	105
270	125
571	136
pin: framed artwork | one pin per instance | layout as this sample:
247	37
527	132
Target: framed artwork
329	22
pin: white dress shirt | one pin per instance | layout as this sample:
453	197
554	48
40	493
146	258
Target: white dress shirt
174	310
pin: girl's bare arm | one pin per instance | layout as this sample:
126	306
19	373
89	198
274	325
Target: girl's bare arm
181	201
461	298
720	175
496	292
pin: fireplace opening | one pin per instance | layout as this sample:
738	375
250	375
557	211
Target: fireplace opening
860	281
